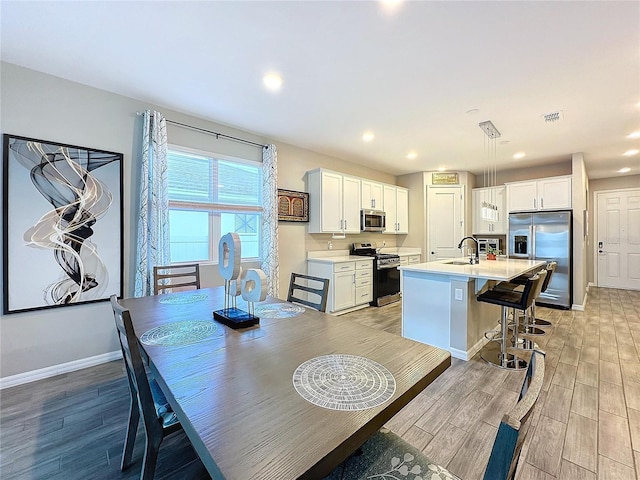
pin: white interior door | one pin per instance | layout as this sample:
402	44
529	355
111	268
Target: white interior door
445	226
618	239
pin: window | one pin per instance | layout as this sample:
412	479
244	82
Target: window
210	197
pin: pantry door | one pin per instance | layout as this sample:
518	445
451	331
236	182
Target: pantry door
445	226
617	239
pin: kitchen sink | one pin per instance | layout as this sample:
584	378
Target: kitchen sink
457	262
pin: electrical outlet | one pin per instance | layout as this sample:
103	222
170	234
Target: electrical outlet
329	245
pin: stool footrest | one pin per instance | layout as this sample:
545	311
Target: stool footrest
507	361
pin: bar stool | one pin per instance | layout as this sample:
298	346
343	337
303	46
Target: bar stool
533	320
509	299
523	343
532	323
526	343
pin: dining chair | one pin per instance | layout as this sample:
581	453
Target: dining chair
176	277
147	398
386	455
301	283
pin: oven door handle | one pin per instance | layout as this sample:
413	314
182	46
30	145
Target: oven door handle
383	267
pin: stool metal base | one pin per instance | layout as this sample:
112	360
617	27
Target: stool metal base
525	344
531	328
508	360
539	322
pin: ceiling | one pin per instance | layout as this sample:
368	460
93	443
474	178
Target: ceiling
410	75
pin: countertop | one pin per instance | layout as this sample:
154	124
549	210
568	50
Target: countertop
340	259
501	269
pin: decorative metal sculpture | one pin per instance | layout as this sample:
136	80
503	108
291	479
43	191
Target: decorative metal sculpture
251	284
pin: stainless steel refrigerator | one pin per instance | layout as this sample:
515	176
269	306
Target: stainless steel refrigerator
545	236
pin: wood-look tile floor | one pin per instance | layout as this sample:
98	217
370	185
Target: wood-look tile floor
586	424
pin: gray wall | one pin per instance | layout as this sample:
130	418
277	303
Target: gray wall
49	108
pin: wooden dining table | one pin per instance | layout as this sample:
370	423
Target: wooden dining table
234	393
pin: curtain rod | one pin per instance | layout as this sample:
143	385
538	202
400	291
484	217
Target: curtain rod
217	134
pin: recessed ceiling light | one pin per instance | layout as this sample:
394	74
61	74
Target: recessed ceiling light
634	135
630	153
273	81
368	136
412	155
472	111
624	170
519	155
390	6
442	169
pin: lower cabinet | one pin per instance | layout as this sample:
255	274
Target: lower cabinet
343	289
408	260
350	282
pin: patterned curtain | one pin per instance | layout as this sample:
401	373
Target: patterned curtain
270	218
153	218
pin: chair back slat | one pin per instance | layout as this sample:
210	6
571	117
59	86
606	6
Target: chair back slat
176	277
515	424
551	267
136	373
321	292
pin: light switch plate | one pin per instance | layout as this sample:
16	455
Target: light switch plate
458	294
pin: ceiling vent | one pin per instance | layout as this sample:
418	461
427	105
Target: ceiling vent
553	116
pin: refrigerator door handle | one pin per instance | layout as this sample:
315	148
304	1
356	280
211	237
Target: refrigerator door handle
532	236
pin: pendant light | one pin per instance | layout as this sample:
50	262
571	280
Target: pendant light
489	209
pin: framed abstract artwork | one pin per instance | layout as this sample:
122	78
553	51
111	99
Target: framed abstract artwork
62	224
293	206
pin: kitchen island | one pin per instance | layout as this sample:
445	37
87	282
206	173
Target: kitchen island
439	305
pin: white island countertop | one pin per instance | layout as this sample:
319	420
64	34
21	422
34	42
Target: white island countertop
501	269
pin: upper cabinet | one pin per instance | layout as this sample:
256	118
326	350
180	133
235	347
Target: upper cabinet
371	195
493	200
552	193
396	206
334	205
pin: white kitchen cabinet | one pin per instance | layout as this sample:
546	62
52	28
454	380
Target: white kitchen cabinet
334	204
409	259
371	195
396	206
350	282
413	259
344	290
496	197
552	193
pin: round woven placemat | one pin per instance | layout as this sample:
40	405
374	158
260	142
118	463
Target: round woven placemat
175	299
344	382
179	333
278	310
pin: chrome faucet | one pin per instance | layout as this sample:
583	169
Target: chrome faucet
472	260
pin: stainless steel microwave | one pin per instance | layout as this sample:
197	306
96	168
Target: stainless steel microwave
372	221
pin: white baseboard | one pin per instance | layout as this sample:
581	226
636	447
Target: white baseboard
580	307
467	355
52	371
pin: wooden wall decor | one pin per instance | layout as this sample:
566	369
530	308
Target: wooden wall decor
293	206
444	178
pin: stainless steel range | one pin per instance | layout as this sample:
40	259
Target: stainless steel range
386	276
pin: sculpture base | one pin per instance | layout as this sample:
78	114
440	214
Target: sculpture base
235	318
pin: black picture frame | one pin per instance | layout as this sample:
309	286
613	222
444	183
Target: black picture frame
62	210
293	206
